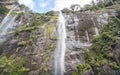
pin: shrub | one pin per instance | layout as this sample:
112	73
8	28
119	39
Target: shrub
49	31
3	10
50	13
12	65
81	68
101	50
22	43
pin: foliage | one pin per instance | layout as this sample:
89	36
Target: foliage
81	68
12	65
22	6
27	28
101	52
53	18
3	10
87	6
20	16
49	31
100	5
46	55
66	10
54	38
22	43
113	65
104	42
50	13
37	21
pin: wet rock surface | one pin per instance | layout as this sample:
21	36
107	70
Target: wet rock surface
77	40
117	50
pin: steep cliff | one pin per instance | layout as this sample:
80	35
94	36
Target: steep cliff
33	40
28	40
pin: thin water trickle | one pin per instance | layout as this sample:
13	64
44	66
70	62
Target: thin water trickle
61	47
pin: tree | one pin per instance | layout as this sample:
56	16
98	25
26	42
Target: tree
87	7
50	13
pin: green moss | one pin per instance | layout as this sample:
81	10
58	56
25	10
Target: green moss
22	43
49	31
54	38
34	63
44	70
25	28
46	54
46	59
74	73
53	18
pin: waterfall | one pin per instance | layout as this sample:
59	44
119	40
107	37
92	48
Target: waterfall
6	19
61	47
7	23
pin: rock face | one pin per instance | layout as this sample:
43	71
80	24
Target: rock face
8	3
117	50
80	30
81	27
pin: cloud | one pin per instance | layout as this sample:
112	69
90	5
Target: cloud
28	3
45	3
60	4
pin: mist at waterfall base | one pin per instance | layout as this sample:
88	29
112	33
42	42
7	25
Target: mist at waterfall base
7	24
61	47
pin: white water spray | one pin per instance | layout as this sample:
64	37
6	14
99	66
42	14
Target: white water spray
61	47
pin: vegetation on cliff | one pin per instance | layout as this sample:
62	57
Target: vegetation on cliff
102	52
13	65
33	44
22	56
3	10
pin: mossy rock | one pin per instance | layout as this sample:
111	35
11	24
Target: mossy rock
22	43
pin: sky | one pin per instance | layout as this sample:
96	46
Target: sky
42	6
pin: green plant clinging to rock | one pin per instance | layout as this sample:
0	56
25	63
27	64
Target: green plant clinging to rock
12	65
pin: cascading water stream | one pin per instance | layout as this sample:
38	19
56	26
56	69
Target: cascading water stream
61	47
7	17
10	24
7	23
